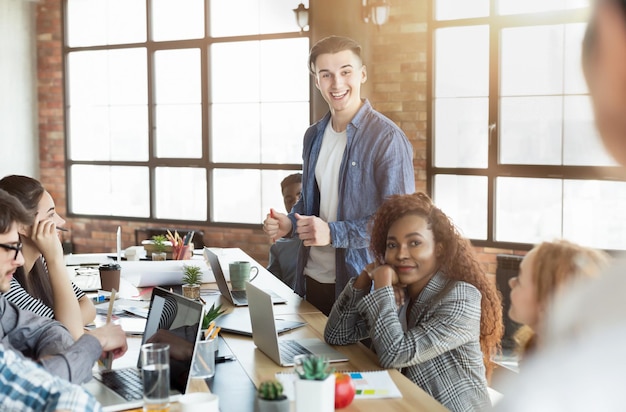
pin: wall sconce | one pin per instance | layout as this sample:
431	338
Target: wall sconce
375	10
302	17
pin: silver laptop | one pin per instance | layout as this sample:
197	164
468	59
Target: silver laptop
239	322
236	297
266	338
121	389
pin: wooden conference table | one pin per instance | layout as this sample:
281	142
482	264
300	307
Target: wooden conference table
258	367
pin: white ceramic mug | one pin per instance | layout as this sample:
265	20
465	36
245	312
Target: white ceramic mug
199	402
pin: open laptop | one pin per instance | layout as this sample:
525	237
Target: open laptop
266	338
121	389
236	297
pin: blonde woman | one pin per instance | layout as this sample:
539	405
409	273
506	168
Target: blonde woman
544	271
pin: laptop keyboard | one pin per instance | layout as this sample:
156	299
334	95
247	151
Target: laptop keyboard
126	382
289	349
239	294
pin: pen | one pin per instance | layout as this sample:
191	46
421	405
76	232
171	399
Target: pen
215	332
62	229
225	358
188	238
207	334
107	362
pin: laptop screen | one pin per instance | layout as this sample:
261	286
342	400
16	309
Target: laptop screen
174	319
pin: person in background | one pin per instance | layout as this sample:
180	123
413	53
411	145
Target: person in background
42	339
579	365
449	321
26	387
543	273
42	284
353	159
284	252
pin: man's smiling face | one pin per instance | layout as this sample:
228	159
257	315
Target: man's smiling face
339	77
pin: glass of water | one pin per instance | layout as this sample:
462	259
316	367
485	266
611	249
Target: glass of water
155	369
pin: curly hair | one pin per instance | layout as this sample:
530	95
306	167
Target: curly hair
457	260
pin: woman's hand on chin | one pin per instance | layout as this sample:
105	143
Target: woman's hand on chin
44	236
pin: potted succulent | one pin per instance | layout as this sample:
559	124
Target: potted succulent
315	388
159	247
192	277
270	397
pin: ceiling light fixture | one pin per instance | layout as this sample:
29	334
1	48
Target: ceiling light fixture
376	11
302	17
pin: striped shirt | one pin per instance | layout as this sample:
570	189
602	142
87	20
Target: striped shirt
25	386
24	300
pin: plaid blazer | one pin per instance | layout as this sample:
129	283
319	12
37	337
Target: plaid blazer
439	352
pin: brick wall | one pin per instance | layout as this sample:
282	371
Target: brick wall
397	76
398	71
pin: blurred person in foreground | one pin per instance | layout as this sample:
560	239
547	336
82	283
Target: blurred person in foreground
26	387
580	365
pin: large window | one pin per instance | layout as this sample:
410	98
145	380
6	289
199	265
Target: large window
189	110
515	156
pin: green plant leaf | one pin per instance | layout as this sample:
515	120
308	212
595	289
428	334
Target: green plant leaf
212	314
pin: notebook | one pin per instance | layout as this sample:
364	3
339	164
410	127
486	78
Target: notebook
368	384
236	297
168	311
266	338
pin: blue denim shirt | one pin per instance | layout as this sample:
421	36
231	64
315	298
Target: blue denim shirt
377	162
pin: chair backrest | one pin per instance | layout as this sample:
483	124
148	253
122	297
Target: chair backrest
146	233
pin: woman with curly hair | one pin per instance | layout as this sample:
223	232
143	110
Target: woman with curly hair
543	274
449	320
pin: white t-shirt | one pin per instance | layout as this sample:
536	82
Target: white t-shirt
321	263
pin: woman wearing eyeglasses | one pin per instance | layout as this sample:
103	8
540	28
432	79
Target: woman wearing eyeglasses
42	285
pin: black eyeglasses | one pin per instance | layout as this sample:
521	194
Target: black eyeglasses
17	248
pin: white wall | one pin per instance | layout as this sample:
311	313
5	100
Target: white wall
19	147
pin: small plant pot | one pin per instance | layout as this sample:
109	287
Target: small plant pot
315	396
276	405
191	291
159	256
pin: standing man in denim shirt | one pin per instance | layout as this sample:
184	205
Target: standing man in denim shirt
352	160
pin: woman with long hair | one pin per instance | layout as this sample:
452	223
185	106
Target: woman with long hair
543	274
425	303
42	284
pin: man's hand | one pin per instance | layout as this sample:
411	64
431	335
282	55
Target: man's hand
276	225
112	339
312	230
